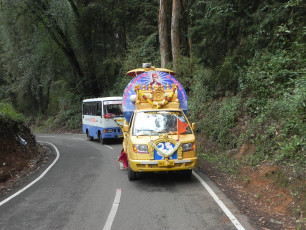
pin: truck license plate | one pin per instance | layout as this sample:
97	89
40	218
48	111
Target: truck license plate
166	163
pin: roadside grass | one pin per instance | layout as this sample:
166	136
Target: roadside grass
8	112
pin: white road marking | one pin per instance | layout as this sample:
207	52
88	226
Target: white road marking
44	136
37	179
109	146
220	203
78	138
112	214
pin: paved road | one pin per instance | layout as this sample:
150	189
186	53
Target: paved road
85	189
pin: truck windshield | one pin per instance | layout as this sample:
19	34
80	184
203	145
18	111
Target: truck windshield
158	122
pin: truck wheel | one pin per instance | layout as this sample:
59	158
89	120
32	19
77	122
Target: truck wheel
131	174
187	173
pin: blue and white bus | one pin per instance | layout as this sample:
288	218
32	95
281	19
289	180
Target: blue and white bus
102	118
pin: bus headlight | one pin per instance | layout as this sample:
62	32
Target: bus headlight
188	146
140	148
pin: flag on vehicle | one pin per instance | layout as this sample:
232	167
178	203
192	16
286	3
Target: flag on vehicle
181	127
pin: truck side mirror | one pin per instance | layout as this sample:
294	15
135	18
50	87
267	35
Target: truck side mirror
125	128
193	126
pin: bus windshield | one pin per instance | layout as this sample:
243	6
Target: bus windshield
151	123
112	108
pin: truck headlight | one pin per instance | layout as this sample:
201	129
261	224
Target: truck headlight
140	148
188	146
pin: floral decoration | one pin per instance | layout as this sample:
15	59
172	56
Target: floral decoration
165	101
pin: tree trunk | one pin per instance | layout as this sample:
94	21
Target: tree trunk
74	8
162	27
175	33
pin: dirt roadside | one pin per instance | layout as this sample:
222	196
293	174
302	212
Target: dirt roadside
18	170
268	206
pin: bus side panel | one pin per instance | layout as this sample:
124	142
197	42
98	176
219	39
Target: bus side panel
110	132
92	124
92	130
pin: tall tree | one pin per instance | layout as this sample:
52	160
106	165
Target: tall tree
163	38
41	10
175	32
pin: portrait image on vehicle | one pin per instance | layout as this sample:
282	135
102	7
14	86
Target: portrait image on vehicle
102	118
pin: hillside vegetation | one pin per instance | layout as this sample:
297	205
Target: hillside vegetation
251	96
19	151
242	64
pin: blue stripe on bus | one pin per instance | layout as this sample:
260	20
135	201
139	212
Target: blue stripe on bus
94	130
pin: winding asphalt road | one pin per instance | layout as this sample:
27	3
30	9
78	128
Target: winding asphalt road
85	189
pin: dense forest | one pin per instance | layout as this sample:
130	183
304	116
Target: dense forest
242	64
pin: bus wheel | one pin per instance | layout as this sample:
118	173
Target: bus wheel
131	174
89	137
101	140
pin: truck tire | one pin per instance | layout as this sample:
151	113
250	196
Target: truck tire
131	174
186	173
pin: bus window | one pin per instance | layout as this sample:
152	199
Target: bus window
99	108
85	109
89	108
93	107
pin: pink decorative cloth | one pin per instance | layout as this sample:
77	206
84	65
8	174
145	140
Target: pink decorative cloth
123	158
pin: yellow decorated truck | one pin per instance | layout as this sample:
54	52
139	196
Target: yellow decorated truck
157	134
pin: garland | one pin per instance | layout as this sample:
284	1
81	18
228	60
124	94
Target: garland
166	100
161	152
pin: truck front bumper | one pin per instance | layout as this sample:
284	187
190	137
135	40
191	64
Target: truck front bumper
162	165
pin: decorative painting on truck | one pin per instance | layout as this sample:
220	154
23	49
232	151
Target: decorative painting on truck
150	79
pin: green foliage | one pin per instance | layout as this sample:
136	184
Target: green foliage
7	111
212	30
201	92
269	75
33	59
257	56
69	120
226	34
226	119
292	149
145	49
222	161
70	112
278	131
219	118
